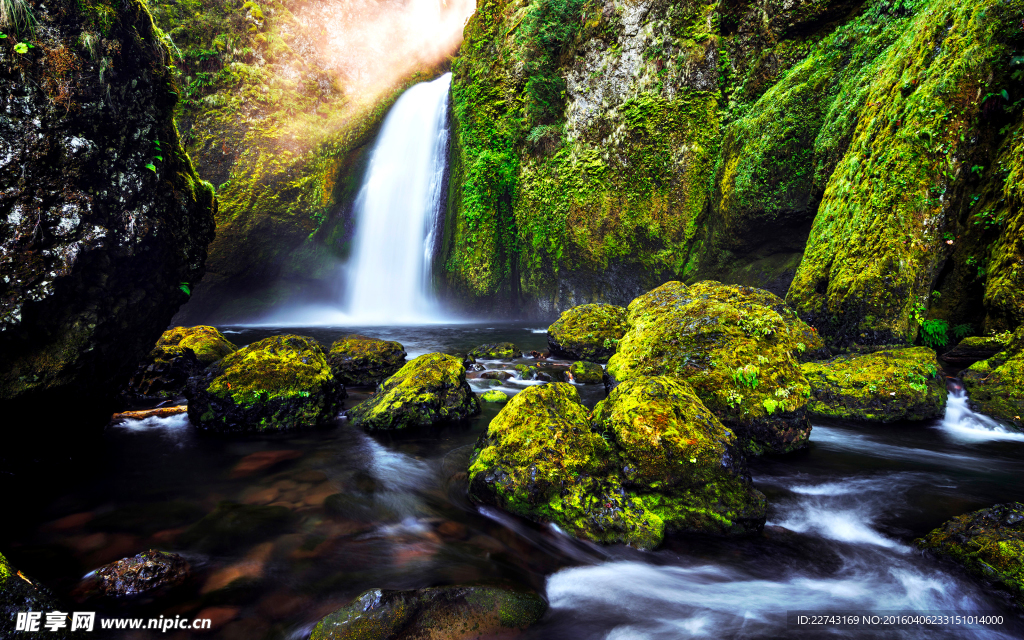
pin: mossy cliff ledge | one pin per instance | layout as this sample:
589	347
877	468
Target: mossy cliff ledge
104	224
588	332
884	386
429	390
361	361
996	386
988	543
651	459
448	613
738	347
276	384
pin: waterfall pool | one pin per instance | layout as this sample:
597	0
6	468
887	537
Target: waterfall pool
843	516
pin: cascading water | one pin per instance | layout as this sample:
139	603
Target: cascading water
396	212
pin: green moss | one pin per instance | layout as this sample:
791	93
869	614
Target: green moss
362	361
207	342
888	385
429	390
736	346
495	396
495	351
586	372
588	332
996	386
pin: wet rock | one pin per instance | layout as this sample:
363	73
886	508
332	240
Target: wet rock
545	377
497	375
20	593
496	351
279	383
160	412
989	543
538	355
495	396
146	573
996	386
443	613
973	349
97	251
361	361
650	458
588	332
429	390
586	372
738	347
526	372
231	525
205	341
884	386
162	375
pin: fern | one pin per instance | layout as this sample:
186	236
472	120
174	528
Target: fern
934	333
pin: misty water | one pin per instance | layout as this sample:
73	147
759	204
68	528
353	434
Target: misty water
843	516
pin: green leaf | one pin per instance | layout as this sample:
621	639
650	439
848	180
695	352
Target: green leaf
1006	96
151	167
184	287
160	158
2	36
21	47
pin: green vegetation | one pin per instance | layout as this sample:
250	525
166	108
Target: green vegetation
996	386
935	333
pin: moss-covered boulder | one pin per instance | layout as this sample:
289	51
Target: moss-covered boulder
205	341
495	396
442	613
361	361
276	384
996	386
973	349
428	390
739	348
651	458
526	372
20	593
586	372
495	351
989	543
884	386
588	332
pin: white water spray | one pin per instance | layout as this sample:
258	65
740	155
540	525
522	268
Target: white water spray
396	212
965	425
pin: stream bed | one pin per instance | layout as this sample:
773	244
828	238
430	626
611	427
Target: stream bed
367	511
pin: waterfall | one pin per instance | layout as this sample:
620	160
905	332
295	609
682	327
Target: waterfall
963	424
397	209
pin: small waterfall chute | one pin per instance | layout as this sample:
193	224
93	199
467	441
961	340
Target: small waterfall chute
965	424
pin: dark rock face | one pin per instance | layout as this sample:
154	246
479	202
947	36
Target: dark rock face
20	593
445	613
104	223
276	384
362	361
142	574
988	543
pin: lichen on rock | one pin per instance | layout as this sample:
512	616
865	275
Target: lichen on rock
738	347
428	390
361	361
884	386
278	383
588	332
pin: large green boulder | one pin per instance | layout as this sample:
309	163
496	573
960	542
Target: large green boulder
361	361
442	613
276	384
651	458
996	386
884	386
738	347
206	342
989	543
429	390
588	332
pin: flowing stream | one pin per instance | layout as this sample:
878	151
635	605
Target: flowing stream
842	519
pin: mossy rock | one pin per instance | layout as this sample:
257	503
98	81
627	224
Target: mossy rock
493	395
163	374
738	347
588	332
586	372
973	349
149	573
625	475
429	390
232	525
448	613
361	361
996	386
989	543
884	386
495	351
207	342
279	383
20	593
526	372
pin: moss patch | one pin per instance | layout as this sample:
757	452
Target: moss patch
361	361
588	332
207	342
586	372
996	386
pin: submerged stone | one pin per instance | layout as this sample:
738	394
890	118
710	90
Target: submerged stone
361	361
989	543
884	386
429	390
586	372
143	574
996	386
495	351
444	613
738	347
588	332
232	525
206	342
279	383
493	395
